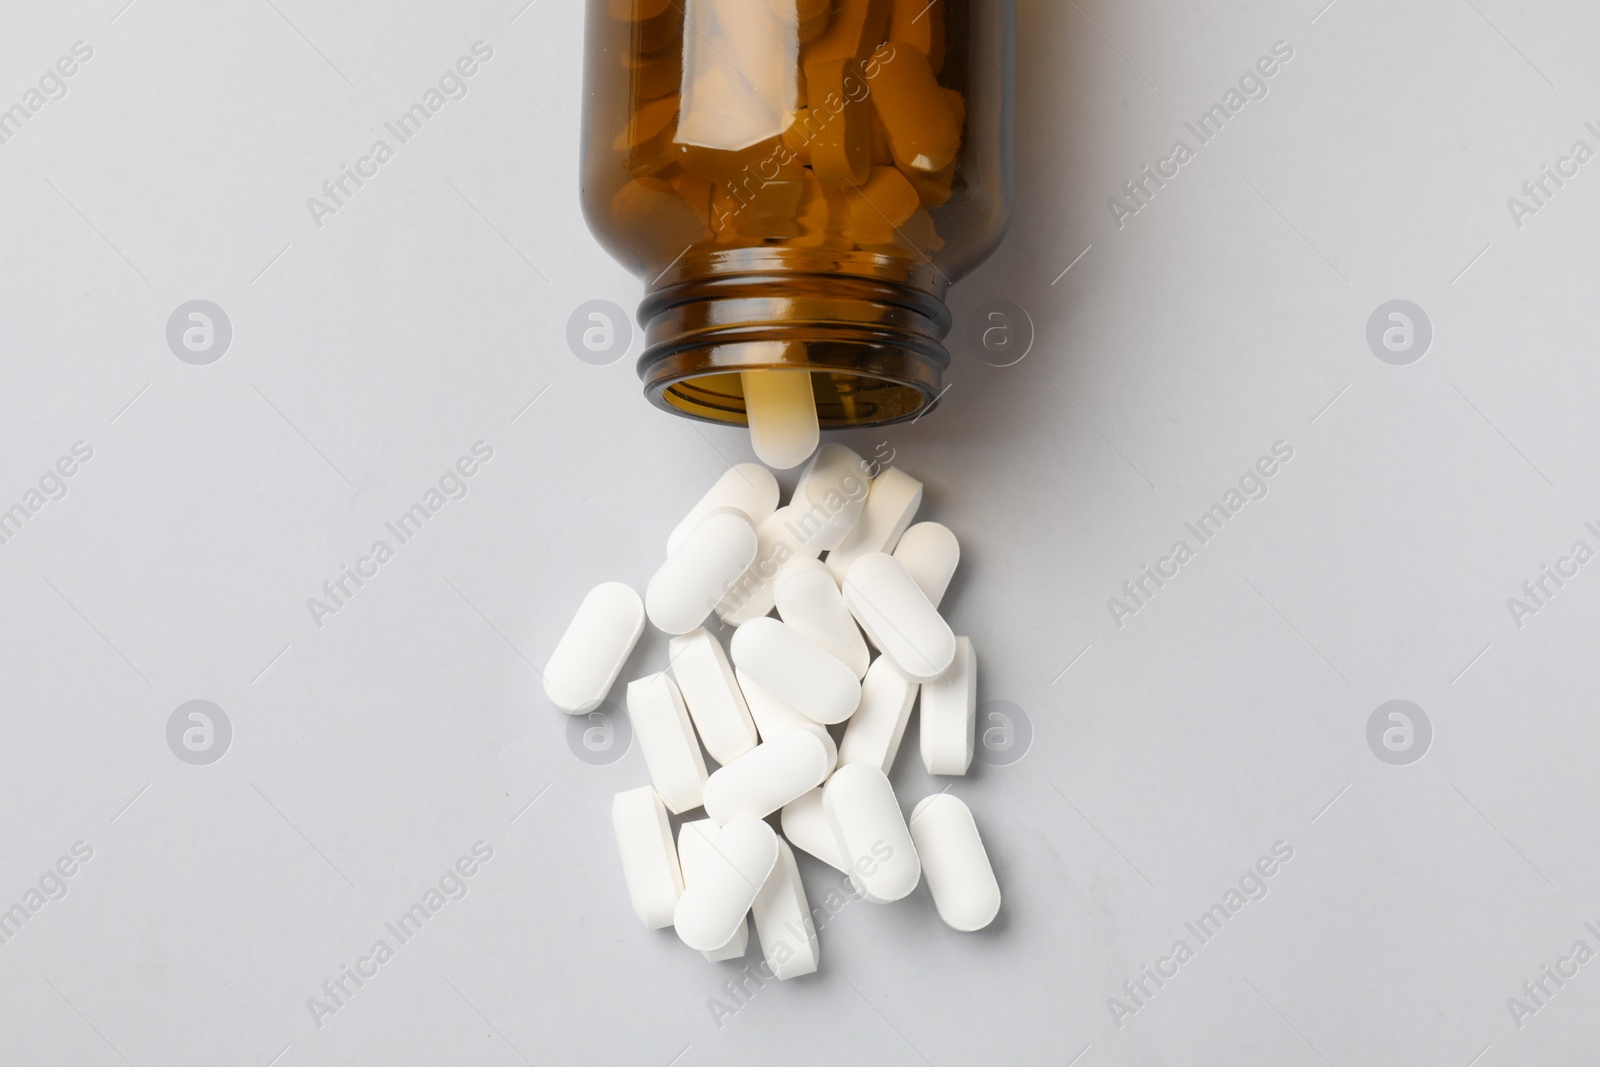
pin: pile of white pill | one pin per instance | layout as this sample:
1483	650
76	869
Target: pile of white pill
840	560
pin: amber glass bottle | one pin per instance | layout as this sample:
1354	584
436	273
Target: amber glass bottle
798	182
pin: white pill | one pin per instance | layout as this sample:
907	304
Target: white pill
777	658
874	732
751	595
772	716
710	910
661	723
950	714
649	862
891	505
747	487
809	600
957	865
783	920
871	833
898	617
717	706
694	841
806	825
782	413
736	947
770	775
693	579
929	552
830	496
590	655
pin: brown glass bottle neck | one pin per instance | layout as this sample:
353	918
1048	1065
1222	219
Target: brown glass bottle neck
869	328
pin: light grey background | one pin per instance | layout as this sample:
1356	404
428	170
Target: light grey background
428	314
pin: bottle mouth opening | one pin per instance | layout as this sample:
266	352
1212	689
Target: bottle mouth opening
844	398
872	345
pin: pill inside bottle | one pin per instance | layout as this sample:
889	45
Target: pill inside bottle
783	417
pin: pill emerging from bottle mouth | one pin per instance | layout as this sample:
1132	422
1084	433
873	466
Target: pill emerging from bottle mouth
782	413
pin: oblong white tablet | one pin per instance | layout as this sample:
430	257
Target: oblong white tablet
871	833
693	579
809	600
930	553
772	716
898	617
950	714
770	775
782	412
710	910
777	542
661	723
590	655
891	505
736	947
830	495
783	920
649	862
694	841
796	671
806	825
748	487
960	875
875	731
712	694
